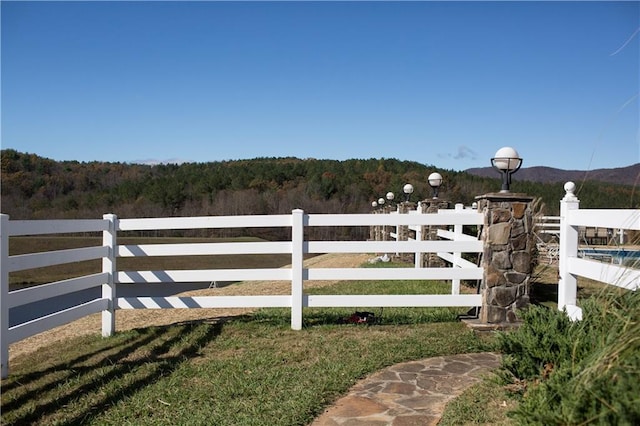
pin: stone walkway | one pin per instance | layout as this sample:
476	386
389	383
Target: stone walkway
408	394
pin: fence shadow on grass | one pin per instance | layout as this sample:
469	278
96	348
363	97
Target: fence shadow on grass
136	363
121	348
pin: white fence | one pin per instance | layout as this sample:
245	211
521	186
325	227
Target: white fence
297	274
570	265
8	264
452	244
547	225
455	233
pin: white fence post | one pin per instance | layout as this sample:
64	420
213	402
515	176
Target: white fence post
4	293
417	260
457	231
567	284
109	266
297	260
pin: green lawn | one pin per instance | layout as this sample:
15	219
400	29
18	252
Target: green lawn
251	370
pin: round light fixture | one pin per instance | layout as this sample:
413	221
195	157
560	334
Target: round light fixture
507	161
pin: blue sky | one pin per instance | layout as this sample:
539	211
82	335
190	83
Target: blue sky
441	83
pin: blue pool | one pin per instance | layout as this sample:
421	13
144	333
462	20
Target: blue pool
618	255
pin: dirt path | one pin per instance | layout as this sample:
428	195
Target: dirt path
130	319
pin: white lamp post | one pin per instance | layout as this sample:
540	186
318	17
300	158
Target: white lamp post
381	202
435	180
408	190
507	162
390	196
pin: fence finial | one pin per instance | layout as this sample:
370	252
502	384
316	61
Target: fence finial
570	187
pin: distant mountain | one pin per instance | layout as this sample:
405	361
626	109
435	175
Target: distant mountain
623	175
156	162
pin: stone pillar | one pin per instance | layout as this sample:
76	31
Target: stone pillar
430	233
508	255
386	229
376	230
372	230
403	230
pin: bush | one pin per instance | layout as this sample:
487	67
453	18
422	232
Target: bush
542	339
585	372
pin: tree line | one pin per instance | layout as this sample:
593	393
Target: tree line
34	187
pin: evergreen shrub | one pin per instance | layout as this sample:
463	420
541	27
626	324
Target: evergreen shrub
584	372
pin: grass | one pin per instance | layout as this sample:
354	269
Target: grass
584	372
485	403
387	315
488	402
545	286
250	370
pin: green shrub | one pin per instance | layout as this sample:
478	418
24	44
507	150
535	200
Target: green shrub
542	339
585	372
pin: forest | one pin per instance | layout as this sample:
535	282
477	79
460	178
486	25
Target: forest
34	187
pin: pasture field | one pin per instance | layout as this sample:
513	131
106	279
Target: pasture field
22	245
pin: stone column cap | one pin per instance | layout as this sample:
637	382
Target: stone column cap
505	196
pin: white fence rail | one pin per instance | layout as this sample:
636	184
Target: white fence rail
9	300
570	266
547	225
297	274
456	233
453	242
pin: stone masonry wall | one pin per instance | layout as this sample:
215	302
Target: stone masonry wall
403	230
507	256
430	233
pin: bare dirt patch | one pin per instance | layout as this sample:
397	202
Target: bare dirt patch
130	319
